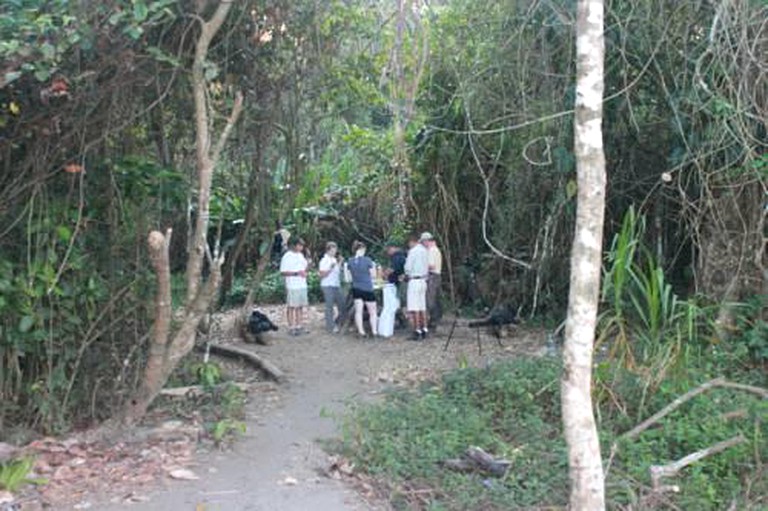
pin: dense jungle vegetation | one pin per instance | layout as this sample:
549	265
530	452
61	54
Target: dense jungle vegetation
365	119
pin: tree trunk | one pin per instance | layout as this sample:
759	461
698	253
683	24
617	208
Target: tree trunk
156	360
584	460
166	348
205	160
254	211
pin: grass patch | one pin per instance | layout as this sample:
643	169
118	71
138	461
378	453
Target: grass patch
512	409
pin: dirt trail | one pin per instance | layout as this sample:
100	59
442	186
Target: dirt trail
277	466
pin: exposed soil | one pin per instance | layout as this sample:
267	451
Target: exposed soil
279	463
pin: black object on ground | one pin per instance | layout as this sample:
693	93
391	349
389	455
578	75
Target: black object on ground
499	317
259	323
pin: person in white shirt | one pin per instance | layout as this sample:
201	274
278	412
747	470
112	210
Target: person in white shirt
416	273
330	282
293	266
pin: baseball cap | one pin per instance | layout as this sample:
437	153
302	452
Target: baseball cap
426	236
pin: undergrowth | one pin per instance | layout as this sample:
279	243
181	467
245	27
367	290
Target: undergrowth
512	410
220	406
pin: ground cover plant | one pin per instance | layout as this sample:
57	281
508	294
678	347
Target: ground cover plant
511	409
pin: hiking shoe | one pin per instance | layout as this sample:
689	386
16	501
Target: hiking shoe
416	336
335	330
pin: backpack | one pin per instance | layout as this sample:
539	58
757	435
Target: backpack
259	323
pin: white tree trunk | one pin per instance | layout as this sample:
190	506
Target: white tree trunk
584	460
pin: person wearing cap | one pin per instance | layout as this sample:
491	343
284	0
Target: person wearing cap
329	270
293	266
416	273
434	280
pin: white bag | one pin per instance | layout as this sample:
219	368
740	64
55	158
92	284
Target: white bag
388	311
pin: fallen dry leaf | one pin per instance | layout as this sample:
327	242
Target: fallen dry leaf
6	497
183	474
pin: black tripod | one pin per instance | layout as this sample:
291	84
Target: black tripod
497	319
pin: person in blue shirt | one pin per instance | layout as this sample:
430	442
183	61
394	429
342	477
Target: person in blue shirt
396	276
363	271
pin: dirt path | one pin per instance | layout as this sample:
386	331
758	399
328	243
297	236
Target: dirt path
277	466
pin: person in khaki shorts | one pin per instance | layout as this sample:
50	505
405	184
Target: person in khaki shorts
434	280
293	266
416	273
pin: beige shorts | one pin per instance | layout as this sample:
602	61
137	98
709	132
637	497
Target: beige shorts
296	297
417	295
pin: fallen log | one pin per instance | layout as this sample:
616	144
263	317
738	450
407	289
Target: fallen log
197	390
476	459
249	357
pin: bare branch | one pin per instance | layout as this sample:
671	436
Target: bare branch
672	469
237	109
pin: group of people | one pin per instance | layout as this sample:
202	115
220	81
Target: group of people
411	281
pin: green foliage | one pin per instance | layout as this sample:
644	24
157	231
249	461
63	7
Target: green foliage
15	473
37	368
271	288
646	327
731	476
512	409
227	428
221	404
751	335
36	35
208	374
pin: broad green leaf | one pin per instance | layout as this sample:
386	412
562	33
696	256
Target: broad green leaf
116	18
48	51
140	10
12	76
211	71
134	32
42	74
571	188
64	233
162	56
26	323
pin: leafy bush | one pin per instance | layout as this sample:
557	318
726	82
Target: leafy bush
645	327
15	473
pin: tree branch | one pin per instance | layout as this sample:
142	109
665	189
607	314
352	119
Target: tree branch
237	109
671	469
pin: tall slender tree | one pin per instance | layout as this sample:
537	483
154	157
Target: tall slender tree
584	460
167	349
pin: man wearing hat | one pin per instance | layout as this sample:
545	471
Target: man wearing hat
416	273
434	279
293	266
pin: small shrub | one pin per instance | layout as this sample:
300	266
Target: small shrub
227	428
15	473
208	374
